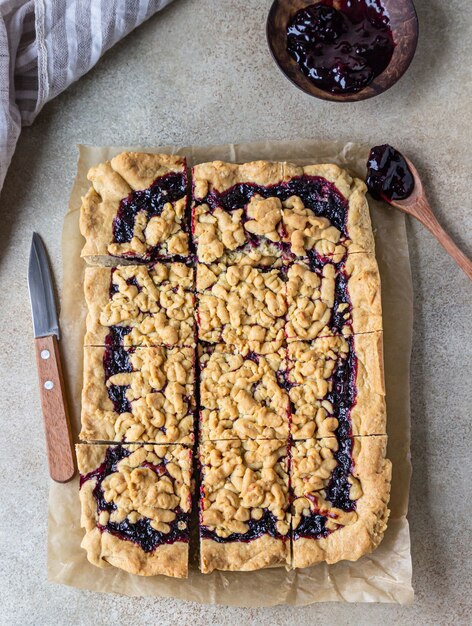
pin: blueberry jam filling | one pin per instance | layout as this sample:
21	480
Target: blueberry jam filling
339	487
140	532
341	50
283	380
311	527
267	525
168	188
388	175
343	394
316	193
116	335
116	361
341	297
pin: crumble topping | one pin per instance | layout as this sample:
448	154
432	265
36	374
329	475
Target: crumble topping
313	462
242	306
138	394
153	305
242	397
147	483
241	481
320	393
318	302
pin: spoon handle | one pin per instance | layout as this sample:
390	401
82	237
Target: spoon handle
425	215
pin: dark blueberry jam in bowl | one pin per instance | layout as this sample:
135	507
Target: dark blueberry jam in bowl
343	50
388	175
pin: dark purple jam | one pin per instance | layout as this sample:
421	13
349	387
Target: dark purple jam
388	175
168	188
311	527
140	532
252	356
116	335
283	380
341	50
344	392
341	296
316	193
339	487
116	361
257	528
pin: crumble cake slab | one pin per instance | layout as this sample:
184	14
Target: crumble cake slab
244	505
242	306
329	298
136	503
139	305
138	394
336	386
268	212
347	517
136	208
242	397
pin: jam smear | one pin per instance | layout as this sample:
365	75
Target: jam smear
341	297
140	532
257	528
341	50
311	527
116	361
339	487
316	193
344	392
168	188
116	335
388	175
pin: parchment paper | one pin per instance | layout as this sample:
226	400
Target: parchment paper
384	575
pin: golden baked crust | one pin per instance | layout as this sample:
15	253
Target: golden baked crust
241	306
154	302
244	499
347	534
269	216
138	486
260	553
154	232
325	368
317	307
241	397
138	394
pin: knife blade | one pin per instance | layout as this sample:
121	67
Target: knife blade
43	306
51	381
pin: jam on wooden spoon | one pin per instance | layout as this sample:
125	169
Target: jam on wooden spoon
393	178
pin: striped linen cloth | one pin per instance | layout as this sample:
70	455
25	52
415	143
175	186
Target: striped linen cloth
45	45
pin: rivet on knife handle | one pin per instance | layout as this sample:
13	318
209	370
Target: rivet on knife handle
54	404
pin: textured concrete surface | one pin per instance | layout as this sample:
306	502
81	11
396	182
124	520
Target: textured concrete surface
200	73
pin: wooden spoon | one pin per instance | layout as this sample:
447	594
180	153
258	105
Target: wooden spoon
418	206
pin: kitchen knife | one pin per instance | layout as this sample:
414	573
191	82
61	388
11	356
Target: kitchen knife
46	332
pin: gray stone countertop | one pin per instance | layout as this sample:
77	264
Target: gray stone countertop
200	73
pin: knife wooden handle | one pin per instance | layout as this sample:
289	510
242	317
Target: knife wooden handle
53	401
